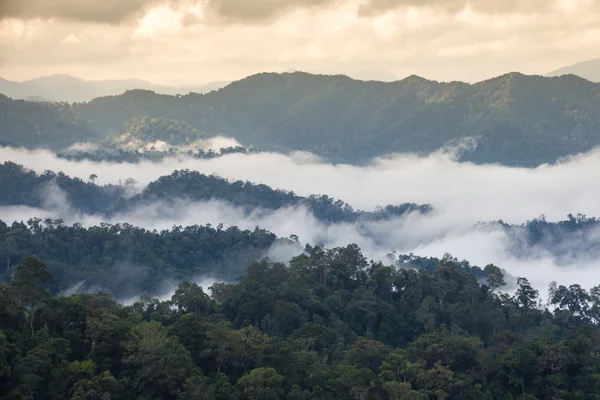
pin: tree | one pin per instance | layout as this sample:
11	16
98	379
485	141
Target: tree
494	277
262	384
396	390
574	298
130	182
93	177
526	295
223	344
197	388
156	363
190	298
28	278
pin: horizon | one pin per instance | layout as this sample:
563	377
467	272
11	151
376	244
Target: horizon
226	83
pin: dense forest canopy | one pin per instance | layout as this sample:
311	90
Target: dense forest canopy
139	132
567	242
123	259
113	152
512	119
127	260
23	187
329	326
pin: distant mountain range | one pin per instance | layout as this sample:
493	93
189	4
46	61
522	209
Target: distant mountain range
68	88
513	119
589	70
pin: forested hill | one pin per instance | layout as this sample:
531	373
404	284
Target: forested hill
514	119
35	124
192	185
129	261
48	190
329	326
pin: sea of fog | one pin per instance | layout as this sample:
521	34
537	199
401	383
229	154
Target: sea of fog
461	193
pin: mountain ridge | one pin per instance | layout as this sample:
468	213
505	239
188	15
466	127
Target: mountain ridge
72	89
513	119
589	69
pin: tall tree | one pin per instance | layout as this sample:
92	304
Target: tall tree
494	277
29	278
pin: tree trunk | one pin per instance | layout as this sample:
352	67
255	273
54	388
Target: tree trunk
32	318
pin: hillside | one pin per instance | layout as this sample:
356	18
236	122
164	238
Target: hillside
23	187
589	70
330	326
565	240
513	119
67	88
40	124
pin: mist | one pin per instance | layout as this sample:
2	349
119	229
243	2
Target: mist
462	194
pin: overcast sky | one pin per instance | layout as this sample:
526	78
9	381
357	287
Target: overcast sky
191	41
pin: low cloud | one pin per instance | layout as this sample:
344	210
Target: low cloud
431	235
462	194
466	192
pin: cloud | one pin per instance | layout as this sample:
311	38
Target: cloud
371	7
169	288
432	235
118	11
170	42
100	11
467	191
259	10
462	194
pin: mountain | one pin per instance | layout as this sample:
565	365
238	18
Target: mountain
513	119
589	70
40	124
67	88
38	99
25	188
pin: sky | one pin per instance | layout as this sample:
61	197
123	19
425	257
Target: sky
178	42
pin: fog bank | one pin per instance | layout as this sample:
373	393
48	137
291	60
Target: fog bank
461	193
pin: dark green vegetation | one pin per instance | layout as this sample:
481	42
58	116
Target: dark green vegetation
515	119
35	124
23	187
126	260
149	130
330	326
112	153
574	238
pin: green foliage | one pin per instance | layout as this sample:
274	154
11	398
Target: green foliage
513	119
28	280
124	260
27	188
24	187
329	326
35	124
494	276
139	132
156	365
